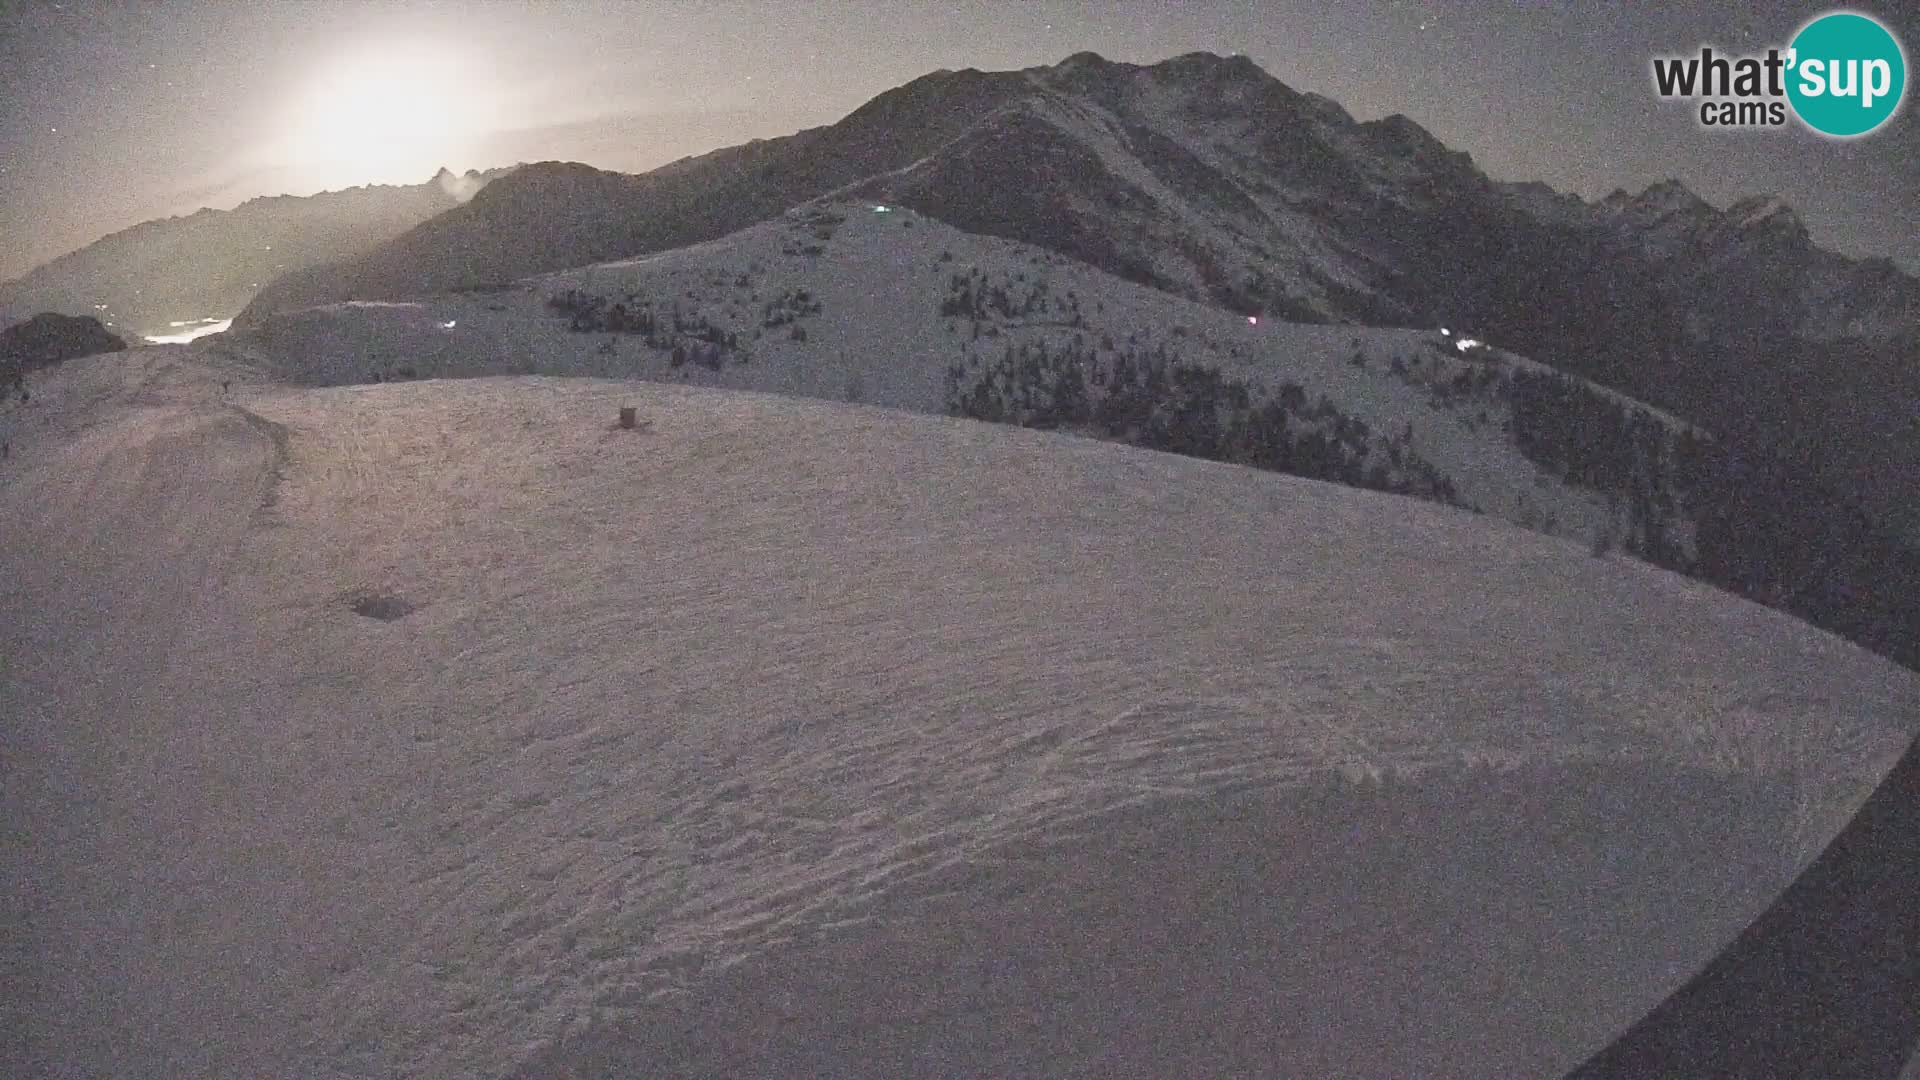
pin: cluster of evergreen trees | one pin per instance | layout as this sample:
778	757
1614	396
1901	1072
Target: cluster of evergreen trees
1769	533
1471	382
1762	528
1592	440
823	223
790	306
974	296
820	224
1153	399
685	337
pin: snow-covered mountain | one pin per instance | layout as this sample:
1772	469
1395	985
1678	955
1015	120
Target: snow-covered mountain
446	729
1201	175
1734	319
1205	177
1702	253
554	215
873	303
160	275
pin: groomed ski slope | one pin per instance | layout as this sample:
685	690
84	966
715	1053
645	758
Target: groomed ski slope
788	738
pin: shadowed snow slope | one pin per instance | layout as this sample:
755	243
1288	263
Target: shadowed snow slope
405	730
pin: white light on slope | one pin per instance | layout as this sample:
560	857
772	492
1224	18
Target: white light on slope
194	334
1466	343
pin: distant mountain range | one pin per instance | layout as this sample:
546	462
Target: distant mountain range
157	276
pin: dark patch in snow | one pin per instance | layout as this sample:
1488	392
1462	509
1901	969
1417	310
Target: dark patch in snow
378	605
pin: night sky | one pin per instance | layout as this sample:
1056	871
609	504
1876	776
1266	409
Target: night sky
113	113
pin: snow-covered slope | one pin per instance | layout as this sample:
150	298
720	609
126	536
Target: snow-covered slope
871	303
395	731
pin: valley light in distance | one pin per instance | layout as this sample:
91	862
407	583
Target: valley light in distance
384	114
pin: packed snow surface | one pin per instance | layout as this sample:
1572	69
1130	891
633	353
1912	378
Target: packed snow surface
445	729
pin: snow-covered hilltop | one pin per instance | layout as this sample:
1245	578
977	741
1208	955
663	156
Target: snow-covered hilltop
400	730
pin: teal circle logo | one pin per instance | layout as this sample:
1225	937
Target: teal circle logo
1847	74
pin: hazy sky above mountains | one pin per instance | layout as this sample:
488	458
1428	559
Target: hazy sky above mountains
113	112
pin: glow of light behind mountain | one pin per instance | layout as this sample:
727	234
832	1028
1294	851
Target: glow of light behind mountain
385	114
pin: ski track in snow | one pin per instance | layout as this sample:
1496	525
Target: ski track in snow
761	671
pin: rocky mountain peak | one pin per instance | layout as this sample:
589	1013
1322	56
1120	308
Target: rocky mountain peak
1665	198
1085	60
1765	211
